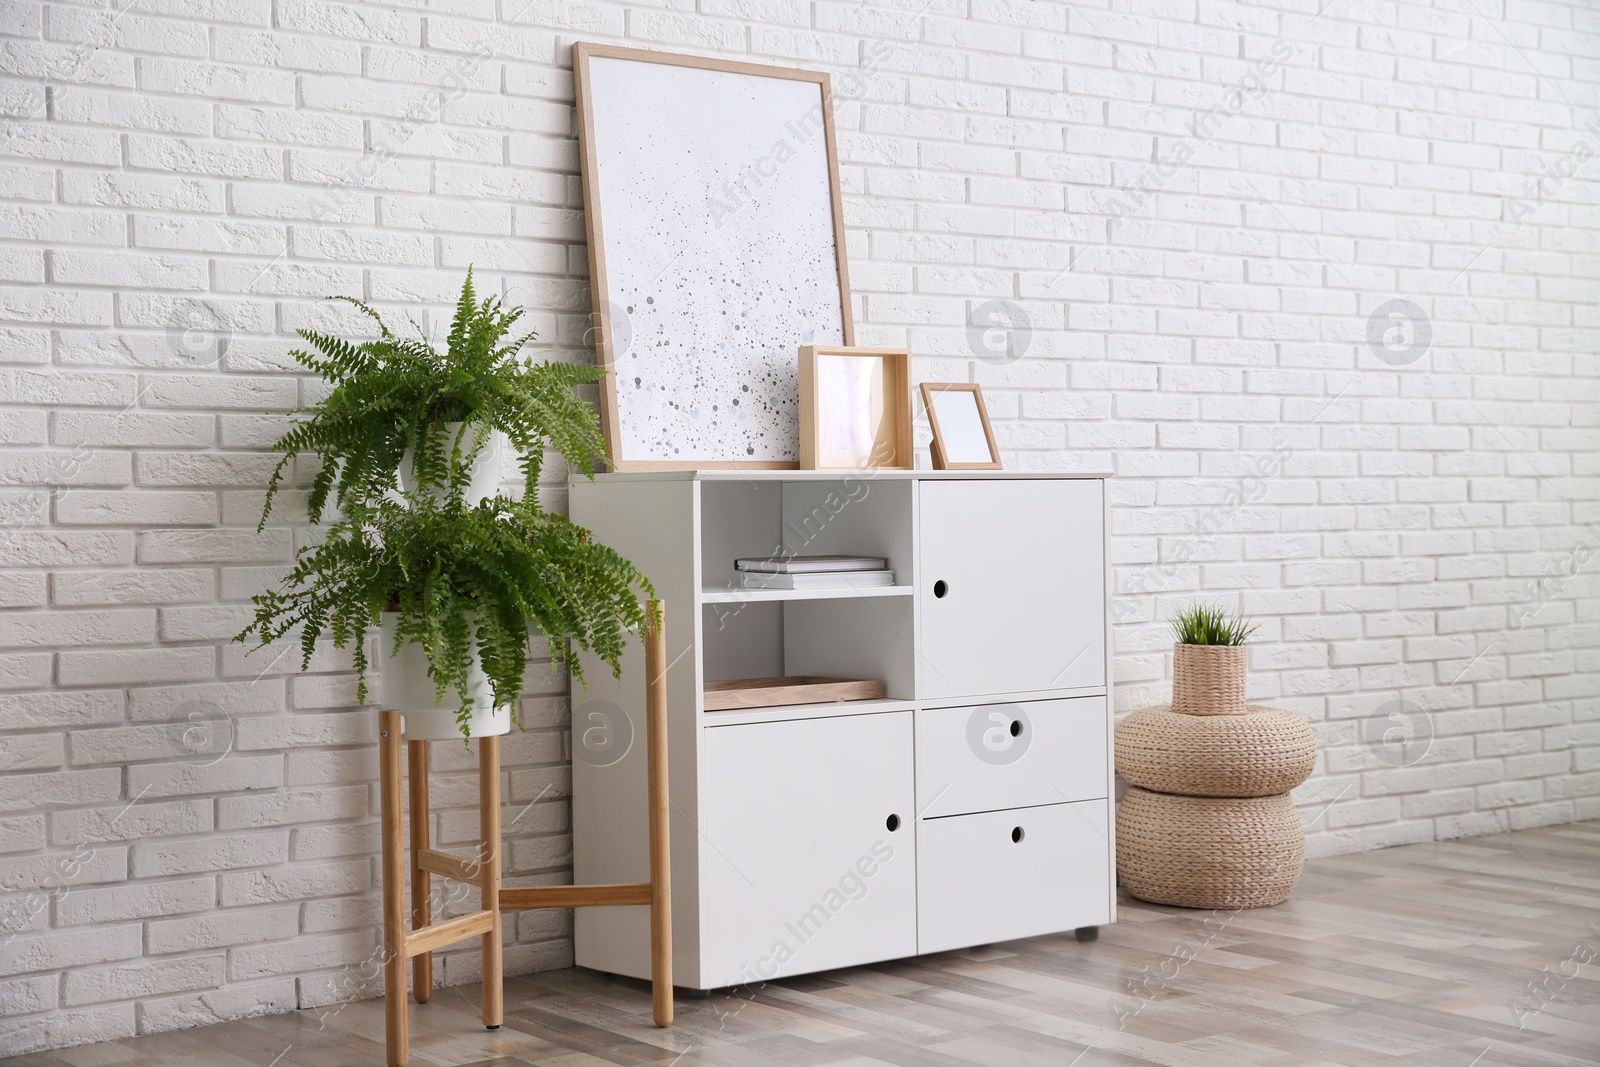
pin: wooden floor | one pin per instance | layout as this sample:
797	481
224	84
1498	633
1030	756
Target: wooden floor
1466	954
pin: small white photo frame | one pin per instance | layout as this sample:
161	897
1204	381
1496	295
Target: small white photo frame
962	437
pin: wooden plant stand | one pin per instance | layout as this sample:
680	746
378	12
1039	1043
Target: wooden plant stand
657	892
418	941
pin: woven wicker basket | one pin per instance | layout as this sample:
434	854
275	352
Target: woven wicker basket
1263	753
1208	679
1198	852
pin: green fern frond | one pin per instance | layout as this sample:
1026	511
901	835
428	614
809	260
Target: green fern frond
466	581
389	393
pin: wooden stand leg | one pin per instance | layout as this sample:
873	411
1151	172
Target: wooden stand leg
494	1009
657	893
660	863
421	882
396	1032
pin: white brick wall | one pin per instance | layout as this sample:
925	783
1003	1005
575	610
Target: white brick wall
1156	233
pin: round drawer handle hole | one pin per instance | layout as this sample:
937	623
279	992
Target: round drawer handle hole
940	588
1016	727
1017	834
893	823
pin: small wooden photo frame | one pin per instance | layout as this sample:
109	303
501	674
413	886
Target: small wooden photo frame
963	440
855	408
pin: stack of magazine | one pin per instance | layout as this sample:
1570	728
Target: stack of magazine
814	572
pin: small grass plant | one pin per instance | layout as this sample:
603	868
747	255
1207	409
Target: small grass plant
1210	624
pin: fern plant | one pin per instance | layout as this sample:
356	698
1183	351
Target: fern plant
1208	624
465	580
395	394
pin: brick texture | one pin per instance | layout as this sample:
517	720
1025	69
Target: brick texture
1318	281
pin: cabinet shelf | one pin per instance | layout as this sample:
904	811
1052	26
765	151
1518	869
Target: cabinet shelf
712	595
786	712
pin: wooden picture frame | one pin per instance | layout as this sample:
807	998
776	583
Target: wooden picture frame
647	424
959	437
878	417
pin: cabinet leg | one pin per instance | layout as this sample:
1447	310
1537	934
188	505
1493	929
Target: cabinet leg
421	881
494	1007
691	994
397	1037
1087	933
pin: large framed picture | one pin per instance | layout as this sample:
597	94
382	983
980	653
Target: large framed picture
716	250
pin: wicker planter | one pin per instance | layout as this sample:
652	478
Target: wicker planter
1203	852
1261	753
1208	679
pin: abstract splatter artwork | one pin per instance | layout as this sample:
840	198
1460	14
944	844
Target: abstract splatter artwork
719	255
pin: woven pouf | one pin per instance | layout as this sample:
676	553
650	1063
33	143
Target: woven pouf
1260	753
1209	852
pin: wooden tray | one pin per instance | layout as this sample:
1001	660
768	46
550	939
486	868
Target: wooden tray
794	689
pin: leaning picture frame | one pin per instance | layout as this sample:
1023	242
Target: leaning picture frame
716	239
963	440
855	408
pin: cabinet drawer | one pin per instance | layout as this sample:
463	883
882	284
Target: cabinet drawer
1017	755
1003	875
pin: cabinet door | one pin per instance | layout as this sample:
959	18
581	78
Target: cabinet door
803	870
1011	586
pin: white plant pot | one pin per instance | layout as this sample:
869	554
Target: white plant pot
404	686
486	470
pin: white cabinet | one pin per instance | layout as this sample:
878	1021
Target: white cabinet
969	805
1011	586
803	870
